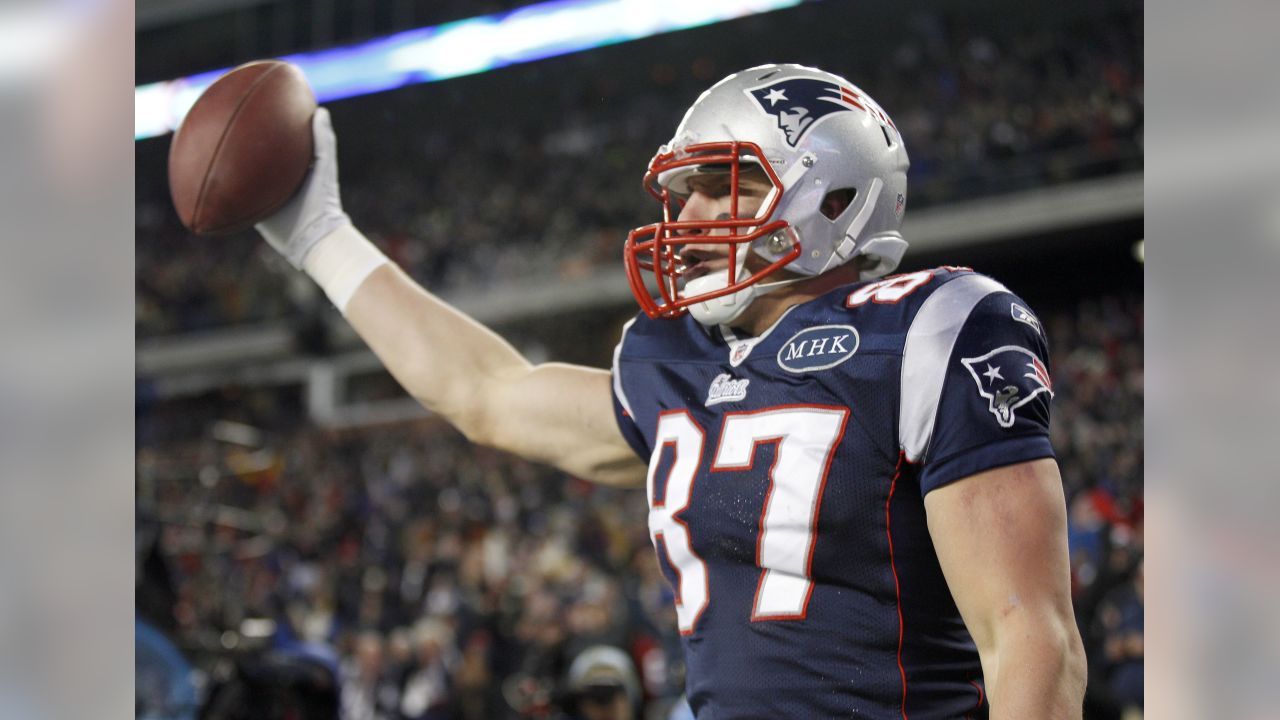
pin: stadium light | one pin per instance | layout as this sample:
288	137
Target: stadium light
460	48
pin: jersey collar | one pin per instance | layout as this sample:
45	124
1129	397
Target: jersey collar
739	348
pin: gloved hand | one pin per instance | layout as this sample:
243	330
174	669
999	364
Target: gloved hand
316	210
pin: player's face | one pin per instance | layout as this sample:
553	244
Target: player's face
711	198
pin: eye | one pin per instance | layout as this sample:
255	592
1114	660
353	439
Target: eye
713	186
753	187
718	189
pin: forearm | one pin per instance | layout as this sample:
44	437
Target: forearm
1037	670
440	356
1001	537
446	360
555	413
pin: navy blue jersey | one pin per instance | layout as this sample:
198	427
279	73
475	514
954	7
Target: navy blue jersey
787	475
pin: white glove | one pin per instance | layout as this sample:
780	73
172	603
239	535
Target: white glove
316	210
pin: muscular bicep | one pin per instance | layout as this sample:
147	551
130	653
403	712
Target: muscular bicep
563	415
1001	539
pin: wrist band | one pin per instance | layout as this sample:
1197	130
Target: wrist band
340	262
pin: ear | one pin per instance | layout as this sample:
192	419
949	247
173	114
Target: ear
837	201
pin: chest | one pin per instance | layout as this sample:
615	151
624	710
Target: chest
770	464
748	458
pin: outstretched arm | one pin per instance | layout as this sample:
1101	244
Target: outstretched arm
1001	537
554	413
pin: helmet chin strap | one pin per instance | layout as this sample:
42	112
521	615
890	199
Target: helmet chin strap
721	310
724	310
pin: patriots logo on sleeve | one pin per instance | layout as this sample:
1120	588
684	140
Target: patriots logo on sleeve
1008	377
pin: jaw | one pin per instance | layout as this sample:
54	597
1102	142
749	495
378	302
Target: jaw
769	305
721	310
754	309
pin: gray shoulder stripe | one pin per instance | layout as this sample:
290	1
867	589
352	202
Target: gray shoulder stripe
617	371
927	351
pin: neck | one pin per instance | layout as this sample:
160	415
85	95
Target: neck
765	310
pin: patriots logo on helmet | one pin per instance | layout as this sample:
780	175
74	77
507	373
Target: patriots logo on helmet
799	103
1008	377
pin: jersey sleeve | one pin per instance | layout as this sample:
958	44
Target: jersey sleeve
992	406
622	412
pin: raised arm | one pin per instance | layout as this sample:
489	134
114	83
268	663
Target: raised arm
1001	538
554	413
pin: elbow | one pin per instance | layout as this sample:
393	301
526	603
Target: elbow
1075	664
490	428
484	437
479	407
1040	664
1064	653
475	426
1067	646
467	417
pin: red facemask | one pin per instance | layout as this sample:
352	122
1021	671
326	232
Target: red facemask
656	248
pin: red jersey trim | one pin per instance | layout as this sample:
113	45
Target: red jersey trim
897	588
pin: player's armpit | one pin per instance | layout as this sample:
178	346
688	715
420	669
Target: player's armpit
1001	538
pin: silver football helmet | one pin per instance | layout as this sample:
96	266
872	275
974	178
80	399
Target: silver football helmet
812	133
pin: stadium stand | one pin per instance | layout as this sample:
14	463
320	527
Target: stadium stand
983	115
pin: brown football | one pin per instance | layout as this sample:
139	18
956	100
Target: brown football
243	148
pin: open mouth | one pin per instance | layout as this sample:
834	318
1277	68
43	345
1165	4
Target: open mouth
694	272
702	269
696	265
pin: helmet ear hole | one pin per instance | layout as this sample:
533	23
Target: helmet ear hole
836	202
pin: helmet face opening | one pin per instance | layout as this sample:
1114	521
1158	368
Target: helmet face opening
655	250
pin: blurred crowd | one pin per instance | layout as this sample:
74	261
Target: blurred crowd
1098	433
429	578
444	580
465	190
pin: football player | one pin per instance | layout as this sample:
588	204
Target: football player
850	481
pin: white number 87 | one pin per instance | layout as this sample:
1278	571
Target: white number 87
806	438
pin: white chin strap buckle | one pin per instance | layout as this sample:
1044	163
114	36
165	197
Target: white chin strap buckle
718	311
